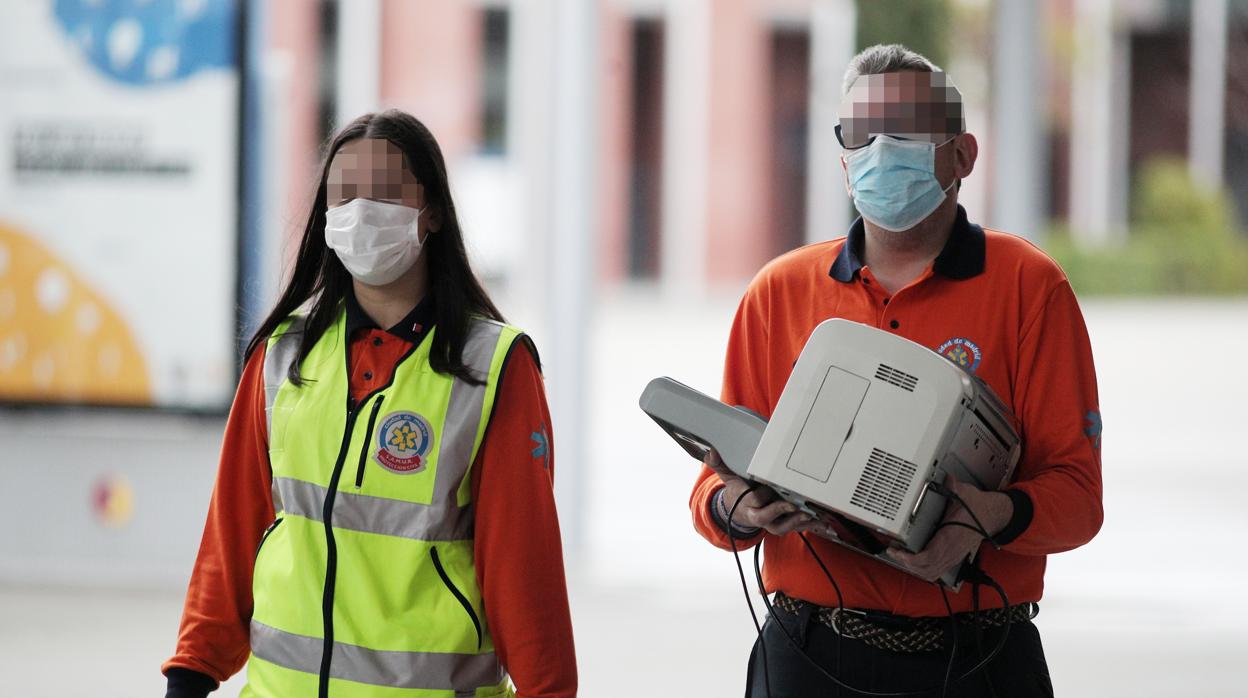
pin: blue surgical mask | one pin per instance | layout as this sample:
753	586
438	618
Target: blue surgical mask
893	181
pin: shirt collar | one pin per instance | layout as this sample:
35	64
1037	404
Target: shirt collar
411	328
961	258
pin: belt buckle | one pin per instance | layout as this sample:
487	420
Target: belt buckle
834	612
834	617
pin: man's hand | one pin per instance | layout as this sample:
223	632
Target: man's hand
760	508
953	544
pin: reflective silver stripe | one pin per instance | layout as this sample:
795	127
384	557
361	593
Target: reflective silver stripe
276	494
463	413
278	357
439	671
361	512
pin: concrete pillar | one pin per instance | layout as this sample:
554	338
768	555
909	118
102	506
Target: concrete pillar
686	146
571	251
530	141
1099	127
1207	97
833	28
271	179
1018	170
358	69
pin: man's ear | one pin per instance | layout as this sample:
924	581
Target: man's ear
966	151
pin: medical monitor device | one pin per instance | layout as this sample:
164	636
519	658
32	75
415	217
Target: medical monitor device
867	422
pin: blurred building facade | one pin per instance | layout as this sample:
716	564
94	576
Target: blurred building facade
702	134
712	138
678	144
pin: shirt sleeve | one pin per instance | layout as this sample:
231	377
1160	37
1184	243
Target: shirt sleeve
1056	401
213	638
519	553
745	373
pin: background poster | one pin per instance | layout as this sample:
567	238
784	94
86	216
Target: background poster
118	191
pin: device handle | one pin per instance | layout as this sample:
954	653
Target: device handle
699	422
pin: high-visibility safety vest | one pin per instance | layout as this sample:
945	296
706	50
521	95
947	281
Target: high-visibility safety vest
364	584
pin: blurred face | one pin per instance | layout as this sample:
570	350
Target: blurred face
376	219
911	106
372	168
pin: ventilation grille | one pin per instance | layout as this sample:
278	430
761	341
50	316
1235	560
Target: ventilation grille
883	484
901	379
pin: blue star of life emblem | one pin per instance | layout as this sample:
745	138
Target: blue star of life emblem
541	450
1093	429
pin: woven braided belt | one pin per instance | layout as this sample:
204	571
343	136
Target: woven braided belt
902	633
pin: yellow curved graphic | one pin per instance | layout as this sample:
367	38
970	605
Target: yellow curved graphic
59	339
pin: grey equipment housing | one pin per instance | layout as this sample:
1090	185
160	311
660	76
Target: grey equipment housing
866	423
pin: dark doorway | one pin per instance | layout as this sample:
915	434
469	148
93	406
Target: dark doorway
790	108
495	38
645	185
327	96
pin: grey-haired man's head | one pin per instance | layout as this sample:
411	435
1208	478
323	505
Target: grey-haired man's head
890	89
886	58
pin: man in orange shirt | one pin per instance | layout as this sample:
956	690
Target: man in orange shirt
991	303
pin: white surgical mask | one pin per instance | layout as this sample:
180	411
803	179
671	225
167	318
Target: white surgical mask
376	241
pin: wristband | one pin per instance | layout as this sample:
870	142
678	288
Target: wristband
720	512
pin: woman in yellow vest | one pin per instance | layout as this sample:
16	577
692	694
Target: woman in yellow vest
383	523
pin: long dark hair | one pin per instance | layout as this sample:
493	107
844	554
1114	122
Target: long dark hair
320	277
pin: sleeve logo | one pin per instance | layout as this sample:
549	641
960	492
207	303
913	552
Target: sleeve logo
1092	430
541	446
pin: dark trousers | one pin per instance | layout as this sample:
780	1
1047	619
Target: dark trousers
1018	671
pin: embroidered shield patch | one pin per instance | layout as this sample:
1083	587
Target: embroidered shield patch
404	440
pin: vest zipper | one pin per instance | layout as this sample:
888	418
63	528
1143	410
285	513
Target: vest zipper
327	515
368	437
331	554
463	601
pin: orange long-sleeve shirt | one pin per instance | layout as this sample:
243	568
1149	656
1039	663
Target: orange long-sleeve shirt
991	302
517	547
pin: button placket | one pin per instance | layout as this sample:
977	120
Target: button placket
887	317
879	299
